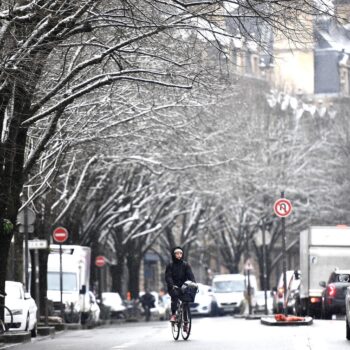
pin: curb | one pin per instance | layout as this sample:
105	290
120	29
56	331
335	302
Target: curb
15	337
254	317
46	331
270	321
239	316
72	326
58	326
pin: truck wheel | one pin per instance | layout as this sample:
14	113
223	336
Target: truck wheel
326	315
85	318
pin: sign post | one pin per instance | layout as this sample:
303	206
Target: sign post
249	267
60	235
283	208
263	238
26	219
37	244
100	261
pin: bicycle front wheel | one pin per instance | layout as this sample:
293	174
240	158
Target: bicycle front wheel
175	329
186	321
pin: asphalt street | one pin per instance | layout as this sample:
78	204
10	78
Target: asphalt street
208	333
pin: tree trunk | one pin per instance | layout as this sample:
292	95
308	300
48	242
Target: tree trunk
5	240
133	264
43	257
19	257
117	272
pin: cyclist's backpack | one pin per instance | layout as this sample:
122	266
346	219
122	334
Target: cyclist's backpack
189	291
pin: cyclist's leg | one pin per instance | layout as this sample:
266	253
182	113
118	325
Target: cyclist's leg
174	301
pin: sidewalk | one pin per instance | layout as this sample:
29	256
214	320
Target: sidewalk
12	339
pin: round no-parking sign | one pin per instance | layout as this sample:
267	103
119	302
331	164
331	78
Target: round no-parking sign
60	234
282	207
100	261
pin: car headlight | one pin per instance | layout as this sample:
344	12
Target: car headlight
15	312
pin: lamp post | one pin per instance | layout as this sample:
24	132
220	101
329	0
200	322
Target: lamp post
262	238
26	219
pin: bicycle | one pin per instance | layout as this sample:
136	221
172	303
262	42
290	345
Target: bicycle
3	326
183	321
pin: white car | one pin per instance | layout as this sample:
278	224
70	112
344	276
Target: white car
259	298
229	290
23	309
115	303
205	302
162	305
165	302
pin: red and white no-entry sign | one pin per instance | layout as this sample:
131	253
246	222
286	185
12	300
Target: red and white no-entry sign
100	261
282	207
60	234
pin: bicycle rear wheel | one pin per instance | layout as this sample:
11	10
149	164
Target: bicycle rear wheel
186	321
3	326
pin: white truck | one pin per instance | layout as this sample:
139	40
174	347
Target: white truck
322	249
76	261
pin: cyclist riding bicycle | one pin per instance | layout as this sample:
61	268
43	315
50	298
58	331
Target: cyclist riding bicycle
176	274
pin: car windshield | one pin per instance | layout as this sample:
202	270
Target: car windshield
69	281
13	291
228	286
343	278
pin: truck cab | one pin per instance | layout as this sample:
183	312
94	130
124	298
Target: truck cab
75	282
322	249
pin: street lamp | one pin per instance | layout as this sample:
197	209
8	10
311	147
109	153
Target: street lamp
262	238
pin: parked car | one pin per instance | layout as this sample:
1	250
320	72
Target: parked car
259	306
115	303
205	303
165	300
23	308
333	294
347	313
278	293
161	309
164	304
292	289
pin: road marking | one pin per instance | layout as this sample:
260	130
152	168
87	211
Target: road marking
9	345
123	346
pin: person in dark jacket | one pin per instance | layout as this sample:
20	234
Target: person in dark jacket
148	302
176	274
